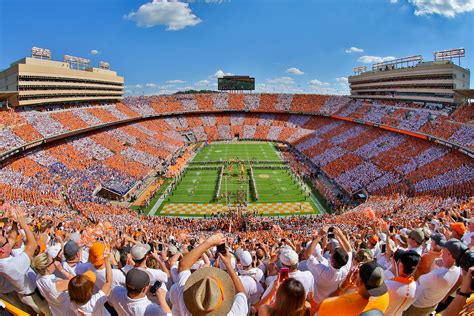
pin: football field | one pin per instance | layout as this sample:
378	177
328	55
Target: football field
226	175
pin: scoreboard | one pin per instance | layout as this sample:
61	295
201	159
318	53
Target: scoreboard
236	83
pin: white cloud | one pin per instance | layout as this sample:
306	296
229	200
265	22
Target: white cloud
342	80
294	71
219	74
174	14
176	81
282	80
202	83
151	85
134	86
447	8
374	59
318	83
94	52
354	50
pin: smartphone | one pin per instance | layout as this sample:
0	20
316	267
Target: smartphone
155	287
160	247
152	246
331	235
221	249
284	273
391	229
384	248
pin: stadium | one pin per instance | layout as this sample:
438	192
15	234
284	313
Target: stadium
115	204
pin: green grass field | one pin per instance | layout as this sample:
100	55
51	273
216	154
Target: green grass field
274	182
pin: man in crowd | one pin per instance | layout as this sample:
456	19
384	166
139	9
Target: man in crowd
328	274
208	289
371	293
402	287
435	285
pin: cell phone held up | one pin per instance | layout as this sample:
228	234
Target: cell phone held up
331	232
284	274
155	287
221	249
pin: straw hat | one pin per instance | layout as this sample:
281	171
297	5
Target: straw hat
209	291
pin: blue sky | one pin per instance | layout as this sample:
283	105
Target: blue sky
287	45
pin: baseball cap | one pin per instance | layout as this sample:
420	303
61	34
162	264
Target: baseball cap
426	232
245	258
372	275
373	239
289	257
75	237
438	238
458	227
364	255
137	279
172	250
139	251
455	247
417	235
54	250
71	248
96	254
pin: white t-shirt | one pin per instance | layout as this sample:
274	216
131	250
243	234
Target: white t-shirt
155	275
95	306
305	277
466	238
18	273
239	307
118	278
326	278
79	268
435	285
125	305
401	296
253	289
59	303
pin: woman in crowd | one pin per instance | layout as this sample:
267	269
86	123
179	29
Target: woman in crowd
290	299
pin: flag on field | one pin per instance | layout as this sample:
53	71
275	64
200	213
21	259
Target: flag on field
230	168
242	169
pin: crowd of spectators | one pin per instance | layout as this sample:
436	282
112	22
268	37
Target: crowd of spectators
324	258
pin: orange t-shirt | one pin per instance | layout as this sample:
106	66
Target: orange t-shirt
352	304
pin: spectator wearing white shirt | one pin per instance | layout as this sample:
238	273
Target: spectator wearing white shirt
402	288
208	290
140	252
415	240
97	259
52	288
133	300
289	259
250	278
467	237
434	286
16	269
328	274
72	255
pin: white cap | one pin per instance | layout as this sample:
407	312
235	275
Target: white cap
139	251
75	237
289	257
54	250
245	258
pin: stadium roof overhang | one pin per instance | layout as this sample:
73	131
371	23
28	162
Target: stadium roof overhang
7	94
465	93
